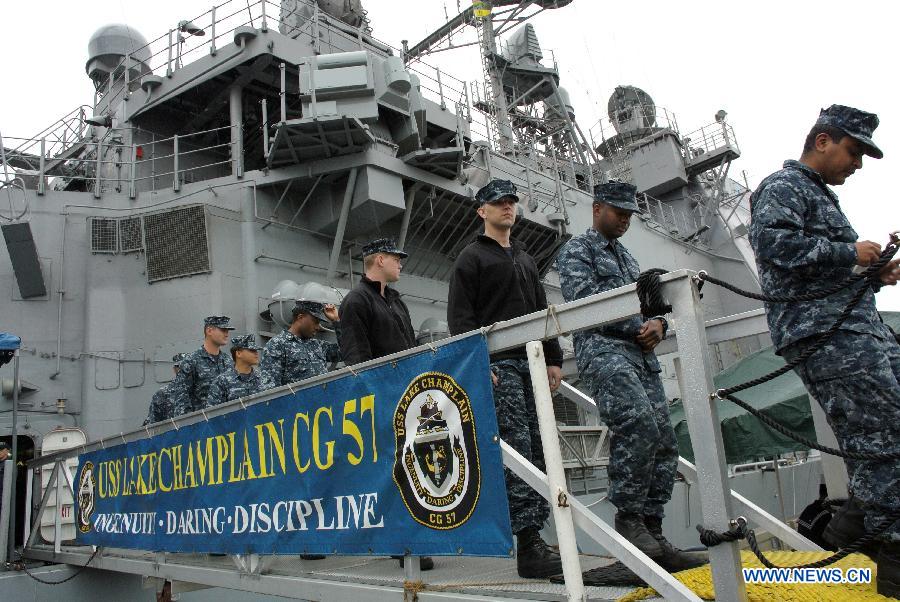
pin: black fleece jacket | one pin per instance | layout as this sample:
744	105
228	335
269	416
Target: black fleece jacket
373	326
488	285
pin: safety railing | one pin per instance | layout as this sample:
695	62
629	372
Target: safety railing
675	220
718	503
56	138
614	135
104	164
709	138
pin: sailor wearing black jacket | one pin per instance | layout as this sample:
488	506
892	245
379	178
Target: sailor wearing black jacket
375	320
494	279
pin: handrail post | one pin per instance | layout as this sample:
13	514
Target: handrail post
441	89
176	181
264	27
704	426
97	169
283	94
42	181
132	193
265	127
169	59
556	474
212	33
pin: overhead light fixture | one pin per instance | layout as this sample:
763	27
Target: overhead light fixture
189	28
721	115
101	120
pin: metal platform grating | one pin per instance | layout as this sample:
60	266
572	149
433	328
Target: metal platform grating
177	243
104	235
493	578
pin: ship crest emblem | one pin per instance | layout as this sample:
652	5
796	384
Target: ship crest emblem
86	488
436	465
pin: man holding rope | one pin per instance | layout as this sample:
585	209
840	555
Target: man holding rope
803	244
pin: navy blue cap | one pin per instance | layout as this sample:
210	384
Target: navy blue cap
223	322
245	341
855	123
313	308
383	245
617	194
495	190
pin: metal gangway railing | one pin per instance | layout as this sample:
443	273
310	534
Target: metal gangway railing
719	504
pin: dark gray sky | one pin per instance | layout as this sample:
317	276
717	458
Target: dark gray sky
770	65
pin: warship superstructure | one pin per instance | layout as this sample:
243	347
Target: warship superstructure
240	161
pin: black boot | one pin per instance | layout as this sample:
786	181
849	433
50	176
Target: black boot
425	562
631	526
847	525
672	559
534	558
887	579
312	556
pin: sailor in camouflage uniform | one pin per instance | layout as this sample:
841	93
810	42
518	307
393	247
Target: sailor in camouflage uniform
162	406
494	279
804	243
617	363
295	354
199	368
242	380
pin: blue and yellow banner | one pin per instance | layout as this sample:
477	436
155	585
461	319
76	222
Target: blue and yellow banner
403	458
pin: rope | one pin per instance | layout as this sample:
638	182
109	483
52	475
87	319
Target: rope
69	578
649	291
740	531
773	424
866	274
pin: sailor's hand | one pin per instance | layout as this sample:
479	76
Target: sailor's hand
331	312
554	375
494	378
867	253
650	335
890	274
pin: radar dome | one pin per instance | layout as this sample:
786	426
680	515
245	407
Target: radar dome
110	45
630	108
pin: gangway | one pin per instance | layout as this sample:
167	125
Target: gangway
362	578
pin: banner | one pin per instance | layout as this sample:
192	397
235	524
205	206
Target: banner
402	458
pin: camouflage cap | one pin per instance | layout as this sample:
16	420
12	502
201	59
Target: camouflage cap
383	245
178	357
855	123
313	308
617	194
223	322
495	190
245	341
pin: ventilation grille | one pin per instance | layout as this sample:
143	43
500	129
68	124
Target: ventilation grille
131	235
566	411
104	237
176	243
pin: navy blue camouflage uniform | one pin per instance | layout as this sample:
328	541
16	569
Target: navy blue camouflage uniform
162	406
198	370
622	379
489	284
804	243
232	384
288	358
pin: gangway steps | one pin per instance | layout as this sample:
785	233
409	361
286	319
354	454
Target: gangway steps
361	578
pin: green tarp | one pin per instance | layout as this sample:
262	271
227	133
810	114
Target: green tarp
784	399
